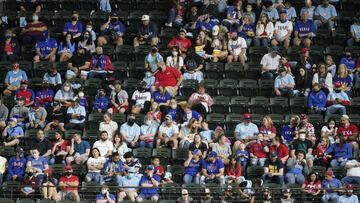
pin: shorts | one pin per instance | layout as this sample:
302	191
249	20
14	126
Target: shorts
146	196
67	194
115	110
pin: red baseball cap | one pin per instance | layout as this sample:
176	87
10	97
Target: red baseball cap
349	187
303	116
68	168
303	51
247	116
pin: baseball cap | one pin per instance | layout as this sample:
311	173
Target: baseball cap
207	190
286	191
273	154
303	50
282	69
150	168
247	116
349	187
19	150
184	191
345	116
76	99
337	84
13	119
113	14
183	30
68	168
212	154
282	11
196	152
329	173
303	116
45	81
145	17
275	49
168	117
24	82
167	175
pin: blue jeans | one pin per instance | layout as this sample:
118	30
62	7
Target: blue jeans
258	161
117	178
18	178
95	177
292	178
274	179
105	6
335	109
330	197
329	24
1	178
350	179
191	179
261	42
93	74
336	163
146	144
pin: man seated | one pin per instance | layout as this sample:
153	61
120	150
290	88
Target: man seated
46	49
304	30
273	170
105	196
149	183
284	83
113	169
325	14
68	183
100	65
147	32
12	133
337	101
130	131
283	30
128	185
333	187
212	170
112	31
168	134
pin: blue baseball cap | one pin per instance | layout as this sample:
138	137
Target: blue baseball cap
150	168
196	152
212	154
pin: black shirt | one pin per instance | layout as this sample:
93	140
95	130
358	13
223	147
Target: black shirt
78	61
43	146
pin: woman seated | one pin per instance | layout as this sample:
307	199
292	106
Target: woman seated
60	149
233	171
187	133
311	187
94	165
297	169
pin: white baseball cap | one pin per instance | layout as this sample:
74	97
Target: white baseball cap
145	17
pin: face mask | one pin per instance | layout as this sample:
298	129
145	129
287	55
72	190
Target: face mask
302	136
35	18
68	173
173	106
89	29
331	125
140	88
81	94
337	141
7	36
153	50
337	91
66	88
348	56
73	18
174	53
29	173
131	122
23	87
148	122
86	37
348	194
148	74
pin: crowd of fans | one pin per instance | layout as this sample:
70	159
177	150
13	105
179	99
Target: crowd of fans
209	31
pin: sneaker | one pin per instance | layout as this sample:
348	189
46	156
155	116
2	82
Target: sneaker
168	24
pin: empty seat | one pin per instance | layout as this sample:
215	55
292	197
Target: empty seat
143	154
259	105
214	70
252	70
279	105
298	105
266	88
228	87
239	104
214	119
234	70
221	105
232	120
211	86
247	87
188	87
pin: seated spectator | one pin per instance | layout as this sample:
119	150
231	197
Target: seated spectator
325	14
184	197
246	130
319	152
249	11
219	44
68	183
270	64
34	5
147	32
337	101
94	165
113	169
66	48
212	170
10	48
79	150
160	96
234	15
349	61
155	112
112	31
258	151
12	134
74	27
355	33
193	167
4	113
87	41
222	149
329	130
187	132
176	16
340	152
128	185
30	185
273	170
119	99
105	196
26	93
190	114
120	146
48	188
33	31
76	115
148	131
42	144
200	100
175	60
282	31
282	151
348	196
317	100
78	64
101	102
290	11
104	145
333	187
270	11
3	163
304	30
13	79
352	174
37	164
237	48
191	16
100	65
20	112
302	144
264	31
108	125
152	59
349	131
200	145
131	162
303	85
130	131
324	78
307	127
37	116
297	169
60	149
45	48
149	183
306	61
16	166
168	134
168	77
311	187
45	96
233	171
242	155
204	23
247	30
181	43
330	65
284	84
344	79
58	118
140	100
309	8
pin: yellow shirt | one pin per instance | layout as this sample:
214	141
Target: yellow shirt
2	164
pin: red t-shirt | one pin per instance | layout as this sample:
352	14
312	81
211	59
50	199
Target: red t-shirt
349	131
71	179
62	147
281	151
34	33
180	43
8	47
267	131
258	150
233	172
167	78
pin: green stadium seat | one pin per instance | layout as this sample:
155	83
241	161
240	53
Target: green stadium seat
221	104
228	87
279	105
211	86
298	105
143	154
214	119
239	104
259	105
266	88
248	87
188	87
234	70
277	119
177	172
179	155
119	118
164	154
31	133
253	172
92	134
214	70
232	120
25	200
252	70
6	200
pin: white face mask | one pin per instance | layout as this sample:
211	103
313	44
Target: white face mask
89	29
331	125
175	53
337	141
148	122
302	136
81	94
104	191
66	88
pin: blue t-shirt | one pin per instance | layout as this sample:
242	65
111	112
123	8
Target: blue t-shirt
172	113
304	28
73	29
208	25
12	132
46	46
102	197
212	168
117	27
82	147
38	163
348	62
240	153
159	97
287	132
334	183
193	168
149	191
344	81
15	78
247	28
232	12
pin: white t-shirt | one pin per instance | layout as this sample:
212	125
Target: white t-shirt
104	147
93	161
170	61
355	171
109	128
283	28
269	62
236	45
141	97
169	131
